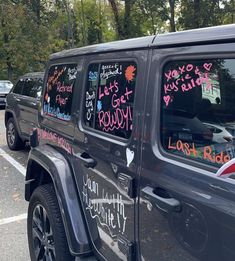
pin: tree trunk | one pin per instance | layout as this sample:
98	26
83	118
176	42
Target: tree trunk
83	25
117	19
6	41
127	19
38	11
172	15
100	33
9	71
196	14
70	29
35	6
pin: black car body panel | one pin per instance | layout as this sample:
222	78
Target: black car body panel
58	167
128	118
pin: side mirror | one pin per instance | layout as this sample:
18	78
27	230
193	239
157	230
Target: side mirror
33	138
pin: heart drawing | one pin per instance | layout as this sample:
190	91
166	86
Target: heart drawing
129	156
207	66
167	99
227	169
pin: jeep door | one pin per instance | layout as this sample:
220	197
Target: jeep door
106	149
186	210
28	104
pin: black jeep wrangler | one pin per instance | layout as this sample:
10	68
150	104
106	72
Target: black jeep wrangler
123	165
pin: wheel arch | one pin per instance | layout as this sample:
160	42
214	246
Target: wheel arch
47	165
8	115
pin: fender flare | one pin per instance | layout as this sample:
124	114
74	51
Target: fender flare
60	172
15	121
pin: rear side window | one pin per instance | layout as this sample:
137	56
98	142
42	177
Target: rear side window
32	87
36	89
59	91
28	84
198	110
109	97
18	87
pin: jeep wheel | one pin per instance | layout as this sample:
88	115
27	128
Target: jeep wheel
14	141
46	234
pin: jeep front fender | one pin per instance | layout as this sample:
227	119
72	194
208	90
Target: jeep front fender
55	164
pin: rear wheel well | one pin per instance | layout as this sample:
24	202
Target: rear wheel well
40	176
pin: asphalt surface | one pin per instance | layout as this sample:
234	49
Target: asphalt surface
13	207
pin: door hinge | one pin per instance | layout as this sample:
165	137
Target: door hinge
128	184
127	248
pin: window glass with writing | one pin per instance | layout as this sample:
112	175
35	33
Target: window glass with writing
115	98
59	91
109	97
198	110
90	96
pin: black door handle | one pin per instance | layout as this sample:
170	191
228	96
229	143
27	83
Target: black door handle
161	199
87	160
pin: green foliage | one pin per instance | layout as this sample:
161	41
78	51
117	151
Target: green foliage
154	15
30	30
203	13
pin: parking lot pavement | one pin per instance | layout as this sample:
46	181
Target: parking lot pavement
20	156
13	207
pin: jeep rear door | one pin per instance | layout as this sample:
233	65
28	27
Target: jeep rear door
186	211
106	149
28	104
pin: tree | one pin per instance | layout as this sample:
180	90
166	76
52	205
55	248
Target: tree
30	30
94	23
12	23
201	13
23	41
157	14
122	11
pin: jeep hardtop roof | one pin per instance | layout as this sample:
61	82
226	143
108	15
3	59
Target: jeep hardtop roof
224	33
33	75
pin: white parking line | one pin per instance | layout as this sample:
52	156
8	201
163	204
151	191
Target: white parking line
13	162
13	219
22	170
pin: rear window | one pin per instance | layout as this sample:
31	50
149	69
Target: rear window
32	87
19	87
198	110
36	89
59	91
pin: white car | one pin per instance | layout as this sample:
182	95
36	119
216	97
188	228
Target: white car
221	133
5	87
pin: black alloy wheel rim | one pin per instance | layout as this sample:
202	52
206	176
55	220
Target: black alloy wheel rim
43	239
11	135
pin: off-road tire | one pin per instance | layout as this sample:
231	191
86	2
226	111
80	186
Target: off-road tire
44	198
